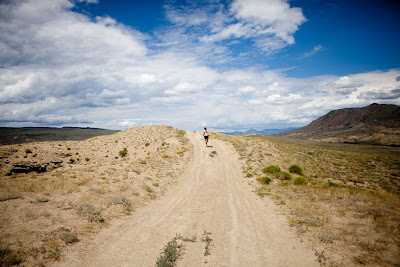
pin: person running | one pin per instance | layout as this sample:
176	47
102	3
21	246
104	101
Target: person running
205	134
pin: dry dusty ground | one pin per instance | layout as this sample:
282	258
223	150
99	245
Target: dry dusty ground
88	187
172	200
346	199
213	215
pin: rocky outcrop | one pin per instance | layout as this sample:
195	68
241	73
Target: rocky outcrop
34	167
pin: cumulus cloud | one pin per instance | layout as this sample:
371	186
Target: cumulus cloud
60	67
274	17
270	24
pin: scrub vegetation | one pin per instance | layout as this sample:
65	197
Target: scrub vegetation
345	198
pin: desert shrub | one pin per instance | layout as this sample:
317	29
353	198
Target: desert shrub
249	174
68	236
120	200
148	189
329	183
147	144
284	183
180	133
283	175
299	180
71	160
88	210
123	152
165	156
296	169
28	151
87	159
264	179
68	148
271	169
82	182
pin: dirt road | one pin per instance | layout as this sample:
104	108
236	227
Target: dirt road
211	201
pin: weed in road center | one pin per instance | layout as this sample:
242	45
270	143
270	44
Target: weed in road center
172	250
208	241
169	255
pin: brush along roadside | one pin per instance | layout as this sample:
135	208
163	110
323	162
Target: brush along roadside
346	201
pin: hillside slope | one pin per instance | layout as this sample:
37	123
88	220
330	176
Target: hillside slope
55	194
374	124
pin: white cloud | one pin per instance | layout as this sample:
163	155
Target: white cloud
246	90
270	24
314	51
181	88
60	67
270	17
127	123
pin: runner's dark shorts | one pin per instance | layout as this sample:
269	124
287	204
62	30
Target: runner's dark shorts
206	137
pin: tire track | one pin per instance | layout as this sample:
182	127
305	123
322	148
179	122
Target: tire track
212	197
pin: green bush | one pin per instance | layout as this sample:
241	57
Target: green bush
264	180
299	180
284	183
123	152
296	169
28	151
180	133
283	176
169	255
332	184
271	169
249	174
147	144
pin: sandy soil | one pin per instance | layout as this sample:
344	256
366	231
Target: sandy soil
91	186
211	201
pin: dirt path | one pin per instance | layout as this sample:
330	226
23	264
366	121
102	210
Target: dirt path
212	200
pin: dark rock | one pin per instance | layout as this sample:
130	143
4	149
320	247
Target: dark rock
27	168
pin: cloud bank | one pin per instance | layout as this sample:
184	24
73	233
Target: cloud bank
61	67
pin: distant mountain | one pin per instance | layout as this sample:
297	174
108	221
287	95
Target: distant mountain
373	124
262	132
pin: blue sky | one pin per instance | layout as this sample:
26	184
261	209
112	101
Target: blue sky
228	65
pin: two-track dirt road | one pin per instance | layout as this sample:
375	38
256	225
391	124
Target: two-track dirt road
211	200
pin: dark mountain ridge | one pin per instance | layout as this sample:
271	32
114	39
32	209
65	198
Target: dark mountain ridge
9	135
373	124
